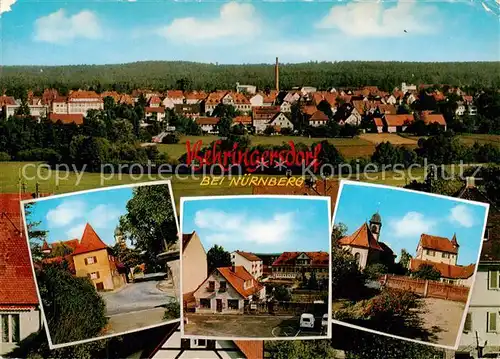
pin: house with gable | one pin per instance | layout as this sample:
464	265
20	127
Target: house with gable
92	258
319	118
20	313
295	265
194	262
365	246
250	261
262	116
173	97
483	318
442	254
280	121
228	290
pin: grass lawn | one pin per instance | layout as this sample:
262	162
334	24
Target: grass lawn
470	139
349	147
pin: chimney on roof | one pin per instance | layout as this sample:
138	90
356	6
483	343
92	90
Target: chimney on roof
277	76
471	182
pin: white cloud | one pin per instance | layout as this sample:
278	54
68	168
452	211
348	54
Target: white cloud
76	232
367	19
103	215
411	224
236	21
6	5
59	28
65	213
461	215
238	228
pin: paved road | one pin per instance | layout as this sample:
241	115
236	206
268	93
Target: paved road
136	296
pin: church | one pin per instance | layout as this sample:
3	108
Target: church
364	244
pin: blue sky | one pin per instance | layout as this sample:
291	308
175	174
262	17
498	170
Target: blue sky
259	225
95	32
406	215
64	218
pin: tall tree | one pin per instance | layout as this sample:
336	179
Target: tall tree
218	257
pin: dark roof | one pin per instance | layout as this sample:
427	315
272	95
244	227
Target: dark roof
376	218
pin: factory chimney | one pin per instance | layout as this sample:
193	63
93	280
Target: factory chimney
277	76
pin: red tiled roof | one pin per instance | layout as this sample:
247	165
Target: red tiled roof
387	109
436	243
240	98
398	120
309	110
319	116
253	349
207	120
126	99
72	243
249	256
215	98
446	270
363	238
90	242
264	113
115	95
67	118
7	100
237	279
434	118
80	94
16	276
245	120
271	97
154	100
175	94
378	122
319	259
154	109
195	95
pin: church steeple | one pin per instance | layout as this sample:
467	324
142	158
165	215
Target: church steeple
376	225
454	241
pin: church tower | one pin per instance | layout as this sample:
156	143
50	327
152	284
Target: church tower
376	225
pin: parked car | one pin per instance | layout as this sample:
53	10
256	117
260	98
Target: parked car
307	321
324	320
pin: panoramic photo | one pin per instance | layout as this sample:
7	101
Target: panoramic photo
414	259
246	271
113	253
94	93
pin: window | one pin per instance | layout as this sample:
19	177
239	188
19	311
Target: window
94	275
199	342
9	325
430	253
468	323
493	279
445	255
205	303
211	286
492	322
486	233
357	257
90	260
222	286
233	304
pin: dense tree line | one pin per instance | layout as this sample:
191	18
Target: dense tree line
162	75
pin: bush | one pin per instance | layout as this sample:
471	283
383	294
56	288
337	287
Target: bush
172	311
4	156
375	271
39	154
73	308
171	138
286	131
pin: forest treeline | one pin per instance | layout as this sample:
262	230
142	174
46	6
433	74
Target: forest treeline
163	75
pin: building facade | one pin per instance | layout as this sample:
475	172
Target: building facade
295	265
194	262
250	261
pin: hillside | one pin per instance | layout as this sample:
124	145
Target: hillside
161	75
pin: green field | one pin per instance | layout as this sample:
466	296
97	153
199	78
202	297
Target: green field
349	147
482	139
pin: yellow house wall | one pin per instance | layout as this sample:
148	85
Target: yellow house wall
102	266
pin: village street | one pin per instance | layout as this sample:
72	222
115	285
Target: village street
137	305
134	297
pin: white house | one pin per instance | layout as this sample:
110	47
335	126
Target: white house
228	290
460	111
318	119
286	107
257	100
408	87
482	325
80	102
208	124
282	121
250	261
174	97
249	89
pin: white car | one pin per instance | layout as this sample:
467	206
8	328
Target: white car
307	320
324	320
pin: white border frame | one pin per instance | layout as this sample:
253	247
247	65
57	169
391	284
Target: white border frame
48	198
327	200
466	309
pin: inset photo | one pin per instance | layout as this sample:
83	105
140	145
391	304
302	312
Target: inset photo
256	267
404	262
106	262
